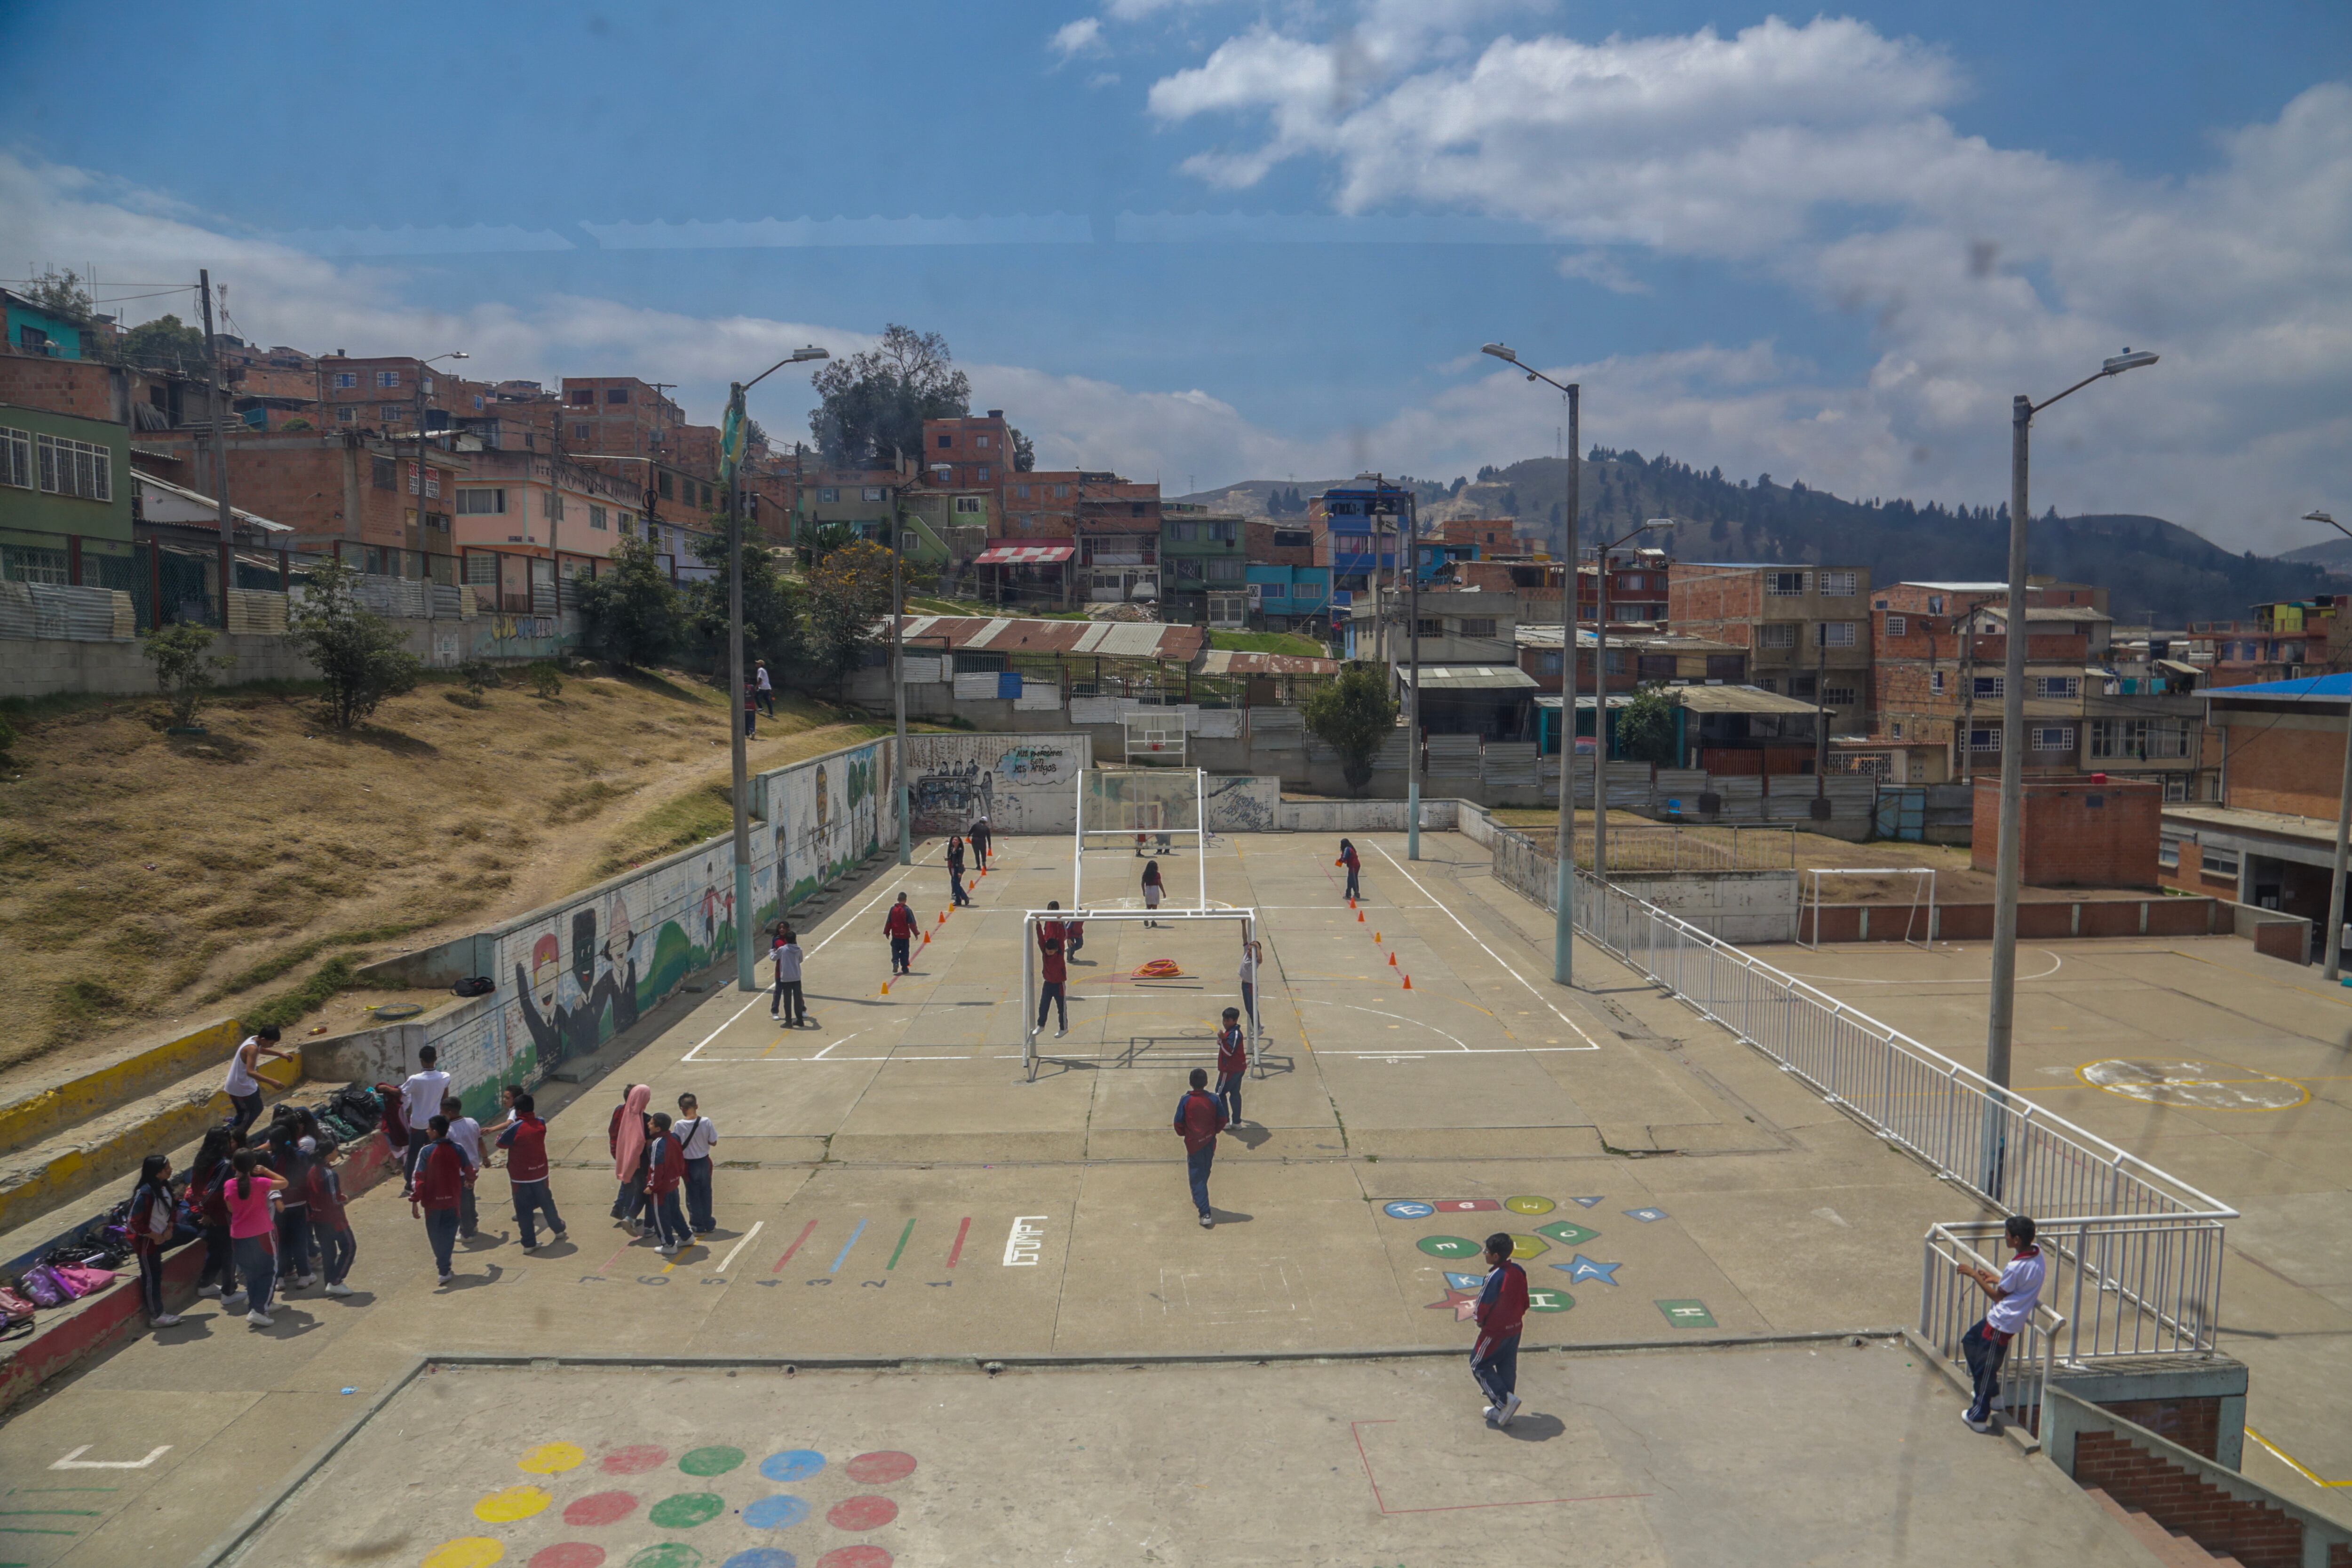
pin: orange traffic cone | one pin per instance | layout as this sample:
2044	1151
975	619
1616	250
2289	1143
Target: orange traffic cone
1391	957
1351	903
1359	913
1376	937
885	988
1407	982
943	917
927	942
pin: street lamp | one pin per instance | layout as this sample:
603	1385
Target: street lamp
730	457
452	354
1601	695
1563	926
2012	726
2342	811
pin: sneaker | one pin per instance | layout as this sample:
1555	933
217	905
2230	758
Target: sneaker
339	1289
1060	1032
1973	1425
530	1247
1207	1222
1489	1412
668	1252
259	1319
232	1298
446	1278
209	1293
168	1321
558	1233
305	1281
1507	1409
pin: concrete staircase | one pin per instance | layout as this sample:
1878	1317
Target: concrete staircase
2168	1547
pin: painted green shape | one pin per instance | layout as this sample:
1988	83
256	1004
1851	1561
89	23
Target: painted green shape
712	1461
901	1246
1544	1298
1448	1245
689	1509
668	1554
1687	1314
1567	1232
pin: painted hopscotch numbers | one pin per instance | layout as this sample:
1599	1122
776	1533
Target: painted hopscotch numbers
1687	1314
680	1512
1567	1233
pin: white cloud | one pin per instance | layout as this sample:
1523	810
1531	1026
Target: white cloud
1101	79
1819	154
1083	37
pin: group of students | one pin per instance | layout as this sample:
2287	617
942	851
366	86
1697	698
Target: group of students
269	1210
444	1157
655	1157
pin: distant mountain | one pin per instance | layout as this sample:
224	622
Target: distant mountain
2335	553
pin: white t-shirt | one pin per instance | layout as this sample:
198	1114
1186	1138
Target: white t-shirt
2021	1281
420	1097
761	674
1249	965
241	1080
695	1136
466	1134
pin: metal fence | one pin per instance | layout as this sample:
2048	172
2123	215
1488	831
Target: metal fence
2136	1253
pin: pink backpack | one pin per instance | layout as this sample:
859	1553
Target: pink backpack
83	1280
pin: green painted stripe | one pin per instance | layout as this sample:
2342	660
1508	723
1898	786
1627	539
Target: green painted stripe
901	1246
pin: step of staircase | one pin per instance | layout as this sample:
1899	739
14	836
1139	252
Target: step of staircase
2174	1551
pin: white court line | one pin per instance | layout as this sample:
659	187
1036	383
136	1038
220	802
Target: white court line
2057	963
1589	1043
723	1263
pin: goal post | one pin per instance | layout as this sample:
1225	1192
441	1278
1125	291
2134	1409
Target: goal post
1918	918
1130	813
1241	922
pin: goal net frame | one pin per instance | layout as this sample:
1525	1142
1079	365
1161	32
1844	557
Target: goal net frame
1155	737
1920	888
1033	978
1138	821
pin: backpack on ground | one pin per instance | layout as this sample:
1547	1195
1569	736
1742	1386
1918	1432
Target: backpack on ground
357	1107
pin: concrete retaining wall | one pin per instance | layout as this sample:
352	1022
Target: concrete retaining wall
1742	907
2168	916
51	1110
1361	816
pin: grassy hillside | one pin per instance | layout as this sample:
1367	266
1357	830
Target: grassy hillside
146	879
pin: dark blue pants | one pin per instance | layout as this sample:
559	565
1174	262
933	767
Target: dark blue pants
337	1247
294	1240
698	1196
900	962
1495	1364
220	1259
531	1199
668	1223
1051	995
151	1278
257	1261
1351	882
1985	1352
955	885
1229	1095
441	1230
248	1111
1197	1164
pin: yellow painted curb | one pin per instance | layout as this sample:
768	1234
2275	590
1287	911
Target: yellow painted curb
40	1116
80	1171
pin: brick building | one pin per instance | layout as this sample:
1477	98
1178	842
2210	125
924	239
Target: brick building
1205	567
1806	629
2078	831
971	453
380	393
353	489
2280	641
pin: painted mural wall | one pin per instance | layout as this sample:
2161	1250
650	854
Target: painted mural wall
823	816
1240	803
1022	783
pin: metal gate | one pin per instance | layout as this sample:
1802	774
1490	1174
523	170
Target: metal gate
1900	813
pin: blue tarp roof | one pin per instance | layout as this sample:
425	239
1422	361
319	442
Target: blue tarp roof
2334	688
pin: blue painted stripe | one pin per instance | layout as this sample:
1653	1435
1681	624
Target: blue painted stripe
845	1245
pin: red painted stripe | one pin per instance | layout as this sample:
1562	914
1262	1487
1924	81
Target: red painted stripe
806	1231
956	1251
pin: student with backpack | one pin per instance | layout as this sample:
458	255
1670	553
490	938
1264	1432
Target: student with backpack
331	1230
244	1089
152	1209
443	1174
899	927
787	1005
665	1170
1054	991
420	1102
466	1134
1198	1122
524	1138
204	1177
695	1137
1501	1310
1347	857
1233	1060
250	1196
629	1135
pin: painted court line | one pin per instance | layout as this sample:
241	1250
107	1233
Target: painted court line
843	1255
956	1251
1589	1043
806	1231
727	1262
895	1251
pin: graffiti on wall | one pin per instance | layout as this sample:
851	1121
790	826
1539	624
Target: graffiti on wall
1021	783
824	817
1240	804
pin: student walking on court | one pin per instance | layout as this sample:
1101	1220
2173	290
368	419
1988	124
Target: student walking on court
983	841
695	1137
1252	952
1347	857
1233	1060
250	1195
443	1177
1152	889
1501	1310
955	872
2014	1292
787	1005
1198	1122
466	1134
525	1142
1053	991
151	1225
899	927
665	1170
629	1135
331	1230
420	1102
765	687
242	1088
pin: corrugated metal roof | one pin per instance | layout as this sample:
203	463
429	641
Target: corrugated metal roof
1736	699
1012	635
1469	677
1228	662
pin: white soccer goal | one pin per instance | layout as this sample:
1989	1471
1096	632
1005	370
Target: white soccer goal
1125	814
1155	737
1919	920
1216	961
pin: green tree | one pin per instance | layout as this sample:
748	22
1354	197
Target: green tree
1645	728
61	294
874	402
357	652
848	591
629	614
165	344
1354	716
185	666
772	613
1024	453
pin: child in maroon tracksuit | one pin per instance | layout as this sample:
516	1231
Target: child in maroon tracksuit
899	927
1501	1309
1233	1060
443	1174
1199	1121
665	1170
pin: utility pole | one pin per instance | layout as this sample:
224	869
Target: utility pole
746	960
899	677
1563	937
1411	518
1600	716
220	444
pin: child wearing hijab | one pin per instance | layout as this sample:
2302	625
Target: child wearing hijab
631	1141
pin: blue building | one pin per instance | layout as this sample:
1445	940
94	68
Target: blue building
33	330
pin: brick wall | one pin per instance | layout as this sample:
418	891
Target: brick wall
58	386
2273	768
2254	1533
2076	833
1724	605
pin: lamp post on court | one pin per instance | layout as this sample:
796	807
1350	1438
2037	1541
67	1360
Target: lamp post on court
1601	694
2343	812
1563	922
731	450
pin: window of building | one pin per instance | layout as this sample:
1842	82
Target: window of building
1548	662
579	433
1135	508
628	524
946	442
2219	863
1478	626
16	458
664	485
478	403
1935	604
1785	585
2139	740
1836	635
969	506
1227	568
1271	590
1429	626
1936	682
390	412
1293	538
979	440
1061	492
583	397
1767	685
2057	685
481	502
432	480
346	415
828	493
1188	568
873	492
551	505
1802	686
1895	729
1183	533
1897	626
75	469
616	394
1020	491
387	378
2167	852
1984	741
1838	697
597	521
346	379
1991	685
1220	533
1839	584
1779	634
2053	738
1629	581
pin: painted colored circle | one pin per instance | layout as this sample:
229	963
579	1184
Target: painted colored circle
792	1465
553	1459
600	1508
1529	1205
881	1468
668	1554
1524	1247
762	1557
1407	1208
855	1557
569	1554
862	1514
1543	1299
632	1461
466	1551
514	1503
686	1510
715	1461
1448	1245
781	1512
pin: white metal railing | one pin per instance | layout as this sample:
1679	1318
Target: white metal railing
1950	1304
2139	1250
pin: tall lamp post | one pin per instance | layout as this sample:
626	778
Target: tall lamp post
899	676
421	364
732	464
1564	920
1601	693
2012	728
2343	813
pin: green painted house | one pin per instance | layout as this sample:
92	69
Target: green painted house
65	495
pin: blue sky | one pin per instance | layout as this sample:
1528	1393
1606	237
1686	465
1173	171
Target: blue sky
1830	246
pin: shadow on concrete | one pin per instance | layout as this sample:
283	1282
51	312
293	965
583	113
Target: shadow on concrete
1527	1427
